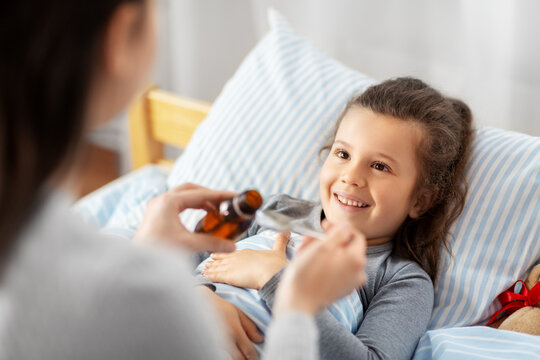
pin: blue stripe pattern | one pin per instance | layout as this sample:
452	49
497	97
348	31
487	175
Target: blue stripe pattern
495	240
118	208
477	342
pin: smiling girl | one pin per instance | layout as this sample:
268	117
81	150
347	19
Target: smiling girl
395	172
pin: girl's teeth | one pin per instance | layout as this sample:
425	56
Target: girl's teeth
350	202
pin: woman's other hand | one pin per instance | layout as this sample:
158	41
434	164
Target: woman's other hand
240	328
248	268
323	271
161	222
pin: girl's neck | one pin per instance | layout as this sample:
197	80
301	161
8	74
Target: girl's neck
378	241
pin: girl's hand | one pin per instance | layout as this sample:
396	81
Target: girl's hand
161	222
323	271
240	328
248	268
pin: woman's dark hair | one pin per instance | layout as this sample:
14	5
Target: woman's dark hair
50	49
443	152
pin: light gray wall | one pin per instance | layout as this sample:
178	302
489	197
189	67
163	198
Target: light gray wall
483	51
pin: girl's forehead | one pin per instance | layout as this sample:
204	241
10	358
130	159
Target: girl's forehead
366	130
368	122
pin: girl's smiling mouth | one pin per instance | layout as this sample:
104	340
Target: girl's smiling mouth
350	203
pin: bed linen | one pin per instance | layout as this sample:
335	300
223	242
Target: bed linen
117	209
477	342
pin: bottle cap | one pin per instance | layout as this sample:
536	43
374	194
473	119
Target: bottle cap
247	202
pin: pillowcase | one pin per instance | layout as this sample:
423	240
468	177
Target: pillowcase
265	131
497	237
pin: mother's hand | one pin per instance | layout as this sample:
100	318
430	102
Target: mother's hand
248	268
323	271
161	222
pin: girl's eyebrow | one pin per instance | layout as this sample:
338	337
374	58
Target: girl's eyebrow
380	154
388	157
342	142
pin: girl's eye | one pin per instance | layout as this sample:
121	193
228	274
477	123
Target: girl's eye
342	154
380	166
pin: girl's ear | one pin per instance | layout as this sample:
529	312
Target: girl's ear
422	202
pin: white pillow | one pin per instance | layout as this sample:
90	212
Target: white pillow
267	126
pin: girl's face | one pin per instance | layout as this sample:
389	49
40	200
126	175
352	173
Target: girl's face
370	174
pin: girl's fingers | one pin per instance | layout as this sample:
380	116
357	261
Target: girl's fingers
281	241
219	256
250	328
244	345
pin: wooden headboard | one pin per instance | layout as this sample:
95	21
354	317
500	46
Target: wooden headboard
158	118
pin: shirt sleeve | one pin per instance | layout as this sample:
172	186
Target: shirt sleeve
292	336
393	322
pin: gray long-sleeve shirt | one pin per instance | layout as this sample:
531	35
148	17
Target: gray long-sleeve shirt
397	298
69	293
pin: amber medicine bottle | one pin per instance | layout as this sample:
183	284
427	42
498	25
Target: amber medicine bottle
233	217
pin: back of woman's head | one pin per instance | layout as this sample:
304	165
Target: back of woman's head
443	155
50	49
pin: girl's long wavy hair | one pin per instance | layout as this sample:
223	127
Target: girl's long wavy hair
443	154
50	49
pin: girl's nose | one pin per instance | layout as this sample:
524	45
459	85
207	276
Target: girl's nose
353	176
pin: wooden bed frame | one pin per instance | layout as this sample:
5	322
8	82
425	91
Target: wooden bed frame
158	118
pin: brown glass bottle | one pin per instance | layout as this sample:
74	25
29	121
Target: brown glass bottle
233	217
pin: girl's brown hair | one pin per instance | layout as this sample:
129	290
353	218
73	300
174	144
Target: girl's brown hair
443	152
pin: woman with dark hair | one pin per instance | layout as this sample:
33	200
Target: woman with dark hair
67	292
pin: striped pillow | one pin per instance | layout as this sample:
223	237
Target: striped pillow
477	342
265	129
267	126
497	237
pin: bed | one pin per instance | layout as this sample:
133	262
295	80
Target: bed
264	131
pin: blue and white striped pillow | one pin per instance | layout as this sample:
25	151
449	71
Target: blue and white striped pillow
477	342
265	129
497	237
267	126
